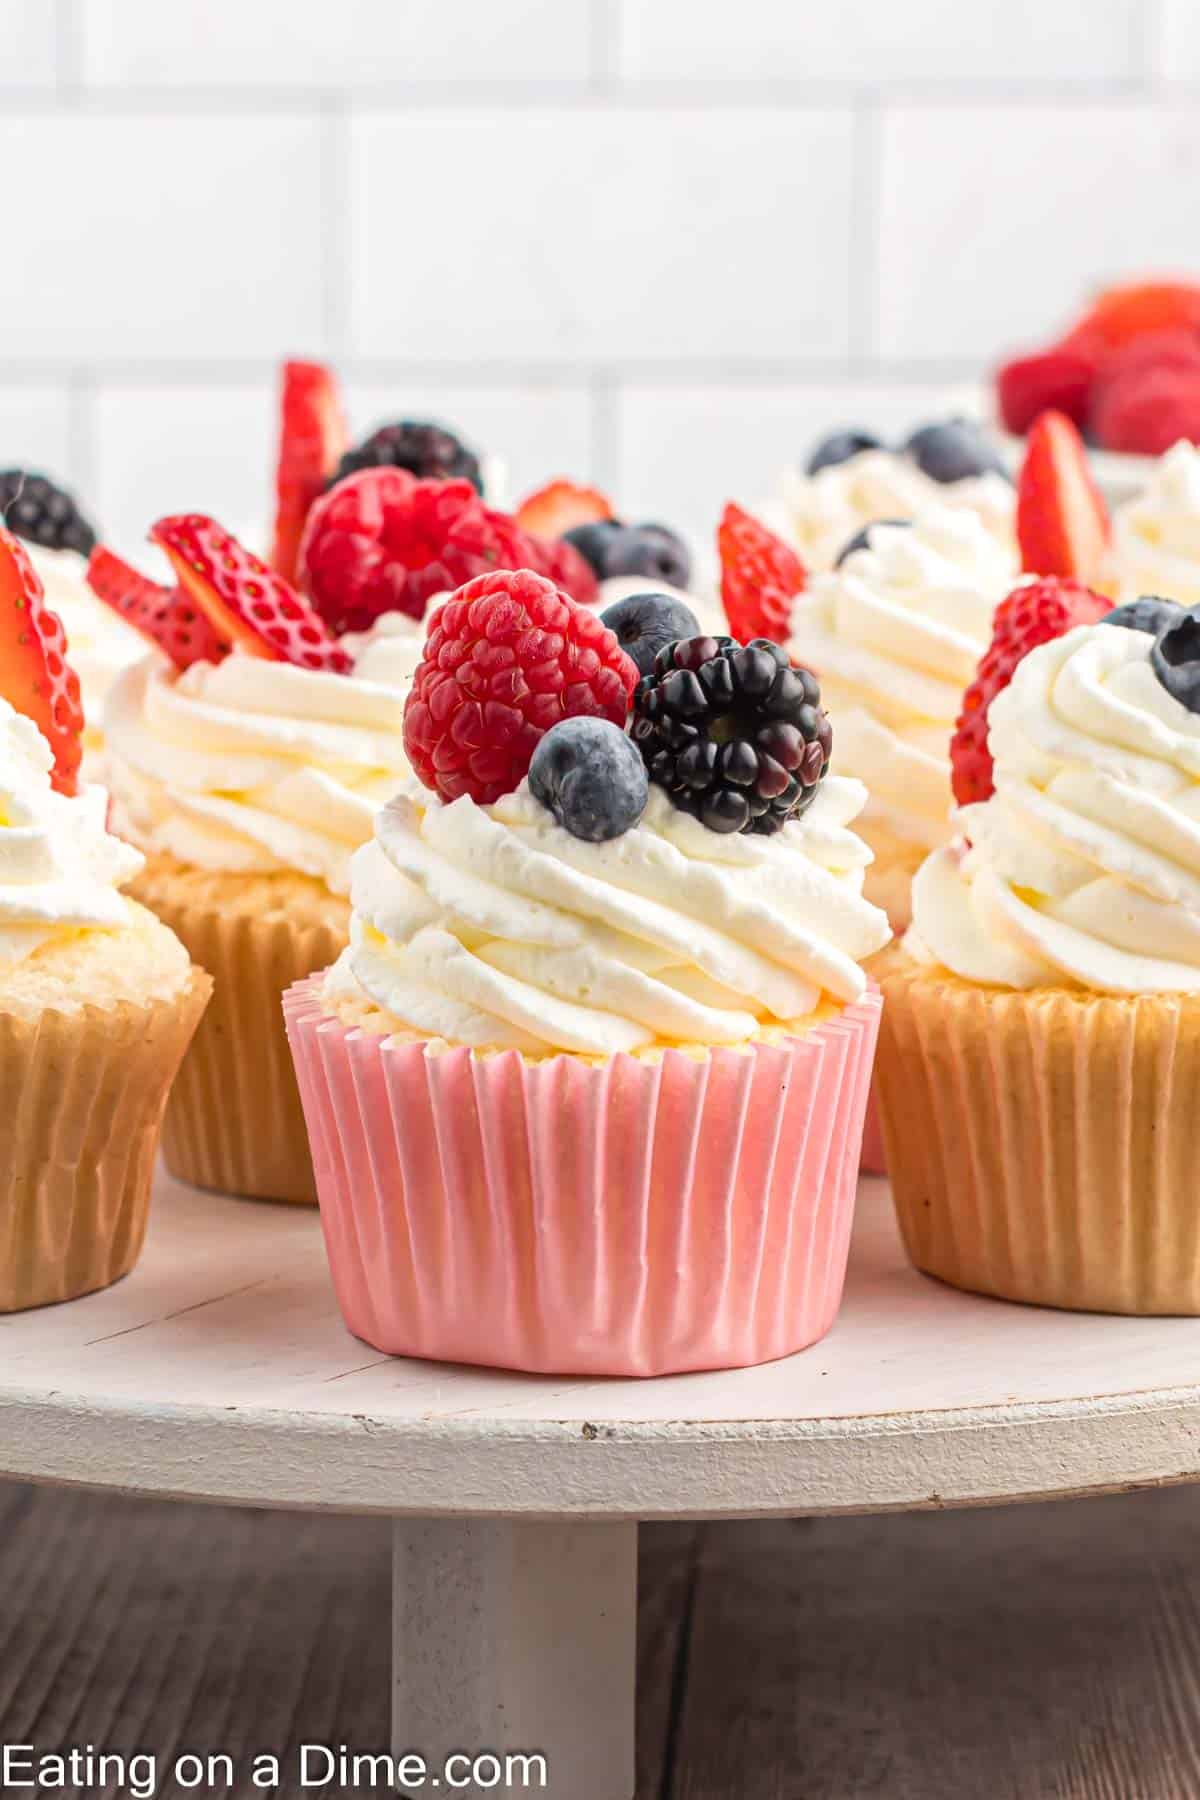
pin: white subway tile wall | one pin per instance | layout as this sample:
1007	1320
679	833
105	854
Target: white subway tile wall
660	244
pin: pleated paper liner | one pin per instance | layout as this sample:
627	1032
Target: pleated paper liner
234	1121
1042	1145
633	1217
84	1094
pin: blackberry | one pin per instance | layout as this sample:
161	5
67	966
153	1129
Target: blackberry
426	450
36	510
735	734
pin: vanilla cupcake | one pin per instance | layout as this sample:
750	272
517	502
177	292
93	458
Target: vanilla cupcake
1039	1066
1156	535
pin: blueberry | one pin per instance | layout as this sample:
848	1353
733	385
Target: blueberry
591	777
1176	659
651	550
1147	614
644	623
952	450
839	447
591	541
862	539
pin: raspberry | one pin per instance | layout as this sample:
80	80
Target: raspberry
760	578
1143	413
1059	379
1031	615
566	568
506	658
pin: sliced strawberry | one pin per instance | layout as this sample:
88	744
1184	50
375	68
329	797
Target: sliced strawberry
760	577
1063	526
312	436
1032	615
1132	309
560	506
1059	379
164	616
35	676
243	600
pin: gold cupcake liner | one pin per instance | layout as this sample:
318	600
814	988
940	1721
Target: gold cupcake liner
234	1120
84	1095
1041	1145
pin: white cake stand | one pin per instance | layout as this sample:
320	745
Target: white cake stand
220	1371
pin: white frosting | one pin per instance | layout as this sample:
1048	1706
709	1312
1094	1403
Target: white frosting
495	928
99	644
1084	866
895	636
1156	536
252	766
820	513
59	867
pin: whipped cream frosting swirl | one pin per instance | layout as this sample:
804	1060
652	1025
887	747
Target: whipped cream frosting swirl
1084	865
59	868
254	766
1156	536
895	635
495	928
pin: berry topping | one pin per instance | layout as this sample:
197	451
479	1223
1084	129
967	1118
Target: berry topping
1175	659
560	507
654	551
644	624
165	617
591	778
862	538
425	450
35	676
1059	379
1144	412
839	447
507	657
736	736
592	542
1032	614
245	602
760	577
953	450
562	564
1149	614
43	514
1062	521
1134	309
312	435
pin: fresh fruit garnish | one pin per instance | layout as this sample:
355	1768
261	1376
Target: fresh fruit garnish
1060	379
1031	615
507	657
426	450
42	513
592	541
35	676
654	551
164	616
760	577
560	506
312	435
1150	614
862	537
736	736
246	603
591	777
953	450
644	624
562	564
1144	412
839	447
1175	659
1132	309
1062	522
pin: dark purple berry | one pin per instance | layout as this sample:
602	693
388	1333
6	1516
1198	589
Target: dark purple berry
590	541
426	450
650	550
839	447
41	513
644	624
954	449
862	539
590	776
1175	658
1147	614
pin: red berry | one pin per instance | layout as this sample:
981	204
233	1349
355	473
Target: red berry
566	568
560	506
1144	412
1062	522
1132	309
312	436
1059	379
1031	615
760	577
244	601
35	676
506	658
165	617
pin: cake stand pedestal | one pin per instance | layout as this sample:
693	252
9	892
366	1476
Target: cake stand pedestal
220	1371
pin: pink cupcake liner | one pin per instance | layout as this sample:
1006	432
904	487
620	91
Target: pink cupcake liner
562	1217
874	1156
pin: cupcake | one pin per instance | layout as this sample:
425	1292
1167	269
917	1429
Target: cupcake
1156	536
249	775
1039	1065
98	1000
586	1088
